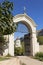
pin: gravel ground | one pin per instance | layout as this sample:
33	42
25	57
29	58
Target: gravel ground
12	61
24	59
29	61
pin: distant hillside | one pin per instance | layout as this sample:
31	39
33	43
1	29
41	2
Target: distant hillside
40	32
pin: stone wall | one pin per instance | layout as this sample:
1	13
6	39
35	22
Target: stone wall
41	48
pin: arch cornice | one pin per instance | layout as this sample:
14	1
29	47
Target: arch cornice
21	16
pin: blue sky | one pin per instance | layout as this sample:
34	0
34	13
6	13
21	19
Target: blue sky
34	8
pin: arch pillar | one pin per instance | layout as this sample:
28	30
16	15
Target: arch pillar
11	45
34	43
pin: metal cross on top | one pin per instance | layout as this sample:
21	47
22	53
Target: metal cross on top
24	9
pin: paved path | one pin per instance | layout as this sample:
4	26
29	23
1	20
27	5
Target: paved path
12	61
24	59
29	61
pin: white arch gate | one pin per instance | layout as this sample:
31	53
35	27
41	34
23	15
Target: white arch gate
32	27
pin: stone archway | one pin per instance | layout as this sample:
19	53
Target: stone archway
32	27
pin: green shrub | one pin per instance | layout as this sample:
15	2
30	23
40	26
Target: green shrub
39	56
18	51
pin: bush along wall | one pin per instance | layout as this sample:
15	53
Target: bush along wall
39	56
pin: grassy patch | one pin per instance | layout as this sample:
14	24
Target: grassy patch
4	58
8	55
23	64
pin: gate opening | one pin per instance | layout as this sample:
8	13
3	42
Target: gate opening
22	44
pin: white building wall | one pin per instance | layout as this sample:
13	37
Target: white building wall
6	47
5	52
18	43
41	48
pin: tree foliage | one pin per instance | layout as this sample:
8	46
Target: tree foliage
7	25
2	44
2	40
40	40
